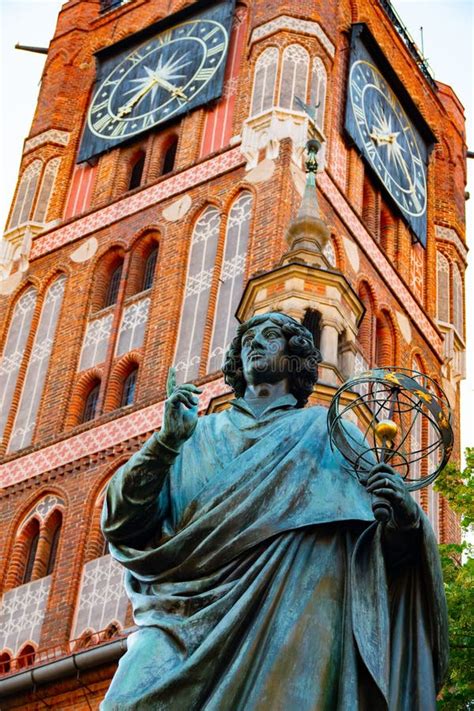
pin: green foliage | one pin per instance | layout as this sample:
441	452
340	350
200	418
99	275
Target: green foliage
458	570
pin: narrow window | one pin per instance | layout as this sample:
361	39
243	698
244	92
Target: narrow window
264	81
312	321
91	404
53	551
294	76
26	194
150	269
114	285
442	283
170	157
137	172
129	386
37	371
26	657
318	91
46	190
5	663
31	555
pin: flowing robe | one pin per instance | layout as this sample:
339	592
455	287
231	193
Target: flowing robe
259	580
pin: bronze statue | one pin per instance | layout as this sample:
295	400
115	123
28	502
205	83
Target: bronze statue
259	579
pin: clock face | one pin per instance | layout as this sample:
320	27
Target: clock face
160	78
387	138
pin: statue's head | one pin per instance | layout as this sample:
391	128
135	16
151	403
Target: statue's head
268	348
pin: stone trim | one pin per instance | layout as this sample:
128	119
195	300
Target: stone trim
447	234
135	203
53	135
293	24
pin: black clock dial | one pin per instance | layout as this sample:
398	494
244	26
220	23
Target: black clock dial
146	80
388	138
160	78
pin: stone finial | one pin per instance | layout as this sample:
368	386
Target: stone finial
308	234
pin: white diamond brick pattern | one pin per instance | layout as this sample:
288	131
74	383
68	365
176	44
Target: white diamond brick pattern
53	135
37	370
231	278
102	597
94	347
22	613
196	297
13	354
133	326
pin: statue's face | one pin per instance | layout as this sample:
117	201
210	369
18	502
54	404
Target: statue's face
264	351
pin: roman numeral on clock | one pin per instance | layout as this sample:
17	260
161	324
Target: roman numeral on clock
119	129
359	114
371	150
204	74
211	33
101	123
100	107
215	50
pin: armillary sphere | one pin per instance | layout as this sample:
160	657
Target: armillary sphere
405	419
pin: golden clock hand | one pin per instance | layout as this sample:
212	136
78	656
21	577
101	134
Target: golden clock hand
175	90
126	108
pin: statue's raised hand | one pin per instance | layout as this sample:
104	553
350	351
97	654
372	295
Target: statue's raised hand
181	412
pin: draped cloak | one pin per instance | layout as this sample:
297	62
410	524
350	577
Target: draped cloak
260	581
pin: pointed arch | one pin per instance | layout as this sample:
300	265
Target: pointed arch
442	288
294	76
458	300
318	91
263	93
35	378
46	190
197	292
385	340
231	277
367	325
18	332
26	194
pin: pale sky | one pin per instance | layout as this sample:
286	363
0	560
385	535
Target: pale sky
448	36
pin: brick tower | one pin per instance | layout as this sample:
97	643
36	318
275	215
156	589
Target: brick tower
160	193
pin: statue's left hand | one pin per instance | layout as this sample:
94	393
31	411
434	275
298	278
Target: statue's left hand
384	481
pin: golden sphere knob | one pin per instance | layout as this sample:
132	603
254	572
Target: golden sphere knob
386	429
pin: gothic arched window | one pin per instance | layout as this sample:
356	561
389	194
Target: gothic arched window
54	544
231	277
442	288
170	156
136	173
26	194
13	352
318	91
47	184
196	296
129	386
90	405
384	342
32	549
264	81
294	76
149	271
458	299
37	370
114	285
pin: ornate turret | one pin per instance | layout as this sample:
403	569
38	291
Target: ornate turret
308	234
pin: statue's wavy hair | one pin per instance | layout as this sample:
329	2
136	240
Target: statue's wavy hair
303	356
